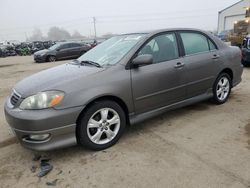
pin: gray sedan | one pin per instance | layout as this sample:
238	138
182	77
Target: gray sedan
61	50
122	81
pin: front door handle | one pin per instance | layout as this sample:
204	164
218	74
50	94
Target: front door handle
215	56
179	65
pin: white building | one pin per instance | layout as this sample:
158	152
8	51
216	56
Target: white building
230	15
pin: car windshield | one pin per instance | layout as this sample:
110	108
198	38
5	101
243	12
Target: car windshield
54	47
112	50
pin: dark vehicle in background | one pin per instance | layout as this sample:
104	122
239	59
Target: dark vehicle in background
94	42
8	50
48	44
1	52
246	51
23	49
37	46
122	81
223	35
63	50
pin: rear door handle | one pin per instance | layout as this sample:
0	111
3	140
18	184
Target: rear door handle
215	56
179	65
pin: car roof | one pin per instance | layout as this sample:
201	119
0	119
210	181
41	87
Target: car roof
68	42
218	42
152	32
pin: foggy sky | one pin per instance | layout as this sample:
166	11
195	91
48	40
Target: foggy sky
18	18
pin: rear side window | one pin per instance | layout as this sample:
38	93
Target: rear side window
194	43
211	45
73	45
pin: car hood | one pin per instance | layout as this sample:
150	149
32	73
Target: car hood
41	52
54	78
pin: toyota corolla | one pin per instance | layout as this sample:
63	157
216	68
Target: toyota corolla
122	81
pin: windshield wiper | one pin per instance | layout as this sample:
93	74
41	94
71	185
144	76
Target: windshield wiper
77	62
91	63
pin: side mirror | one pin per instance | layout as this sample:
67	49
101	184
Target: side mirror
145	59
58	49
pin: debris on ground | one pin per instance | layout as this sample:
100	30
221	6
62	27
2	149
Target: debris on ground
44	159
33	168
45	169
52	183
59	172
45	166
36	157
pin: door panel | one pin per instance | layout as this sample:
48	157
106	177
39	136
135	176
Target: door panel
200	73
63	52
163	82
158	85
201	57
75	49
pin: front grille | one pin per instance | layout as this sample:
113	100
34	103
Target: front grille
14	98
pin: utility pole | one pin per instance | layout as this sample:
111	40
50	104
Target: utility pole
26	37
94	21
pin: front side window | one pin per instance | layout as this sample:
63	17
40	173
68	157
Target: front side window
194	43
162	48
55	46
65	46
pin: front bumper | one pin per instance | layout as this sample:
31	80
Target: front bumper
59	124
39	58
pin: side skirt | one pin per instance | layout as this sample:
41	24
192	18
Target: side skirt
134	119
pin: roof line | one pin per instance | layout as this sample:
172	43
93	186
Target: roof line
230	6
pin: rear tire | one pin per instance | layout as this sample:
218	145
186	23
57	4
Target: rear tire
101	125
222	88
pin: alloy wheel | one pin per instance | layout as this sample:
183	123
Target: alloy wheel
223	88
103	126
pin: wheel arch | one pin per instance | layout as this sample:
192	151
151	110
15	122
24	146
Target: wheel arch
106	97
229	72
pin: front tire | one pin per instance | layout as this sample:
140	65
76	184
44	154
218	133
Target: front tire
101	125
51	58
222	88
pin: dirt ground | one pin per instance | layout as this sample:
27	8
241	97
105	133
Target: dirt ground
203	145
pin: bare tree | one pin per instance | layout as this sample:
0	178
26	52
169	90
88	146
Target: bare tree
56	33
37	35
77	35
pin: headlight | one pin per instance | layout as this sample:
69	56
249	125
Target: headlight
42	100
42	54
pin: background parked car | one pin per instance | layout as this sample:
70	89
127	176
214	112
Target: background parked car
63	50
37	46
8	50
246	51
23	49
